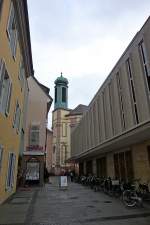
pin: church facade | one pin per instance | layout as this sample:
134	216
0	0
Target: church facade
63	122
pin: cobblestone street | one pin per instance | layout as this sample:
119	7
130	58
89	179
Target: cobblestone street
75	206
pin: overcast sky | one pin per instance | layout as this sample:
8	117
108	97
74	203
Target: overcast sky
83	39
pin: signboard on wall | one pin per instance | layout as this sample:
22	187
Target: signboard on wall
34	148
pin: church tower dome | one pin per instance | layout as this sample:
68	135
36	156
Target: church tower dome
61	93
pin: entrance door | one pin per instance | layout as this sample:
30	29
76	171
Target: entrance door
33	171
89	167
101	167
81	169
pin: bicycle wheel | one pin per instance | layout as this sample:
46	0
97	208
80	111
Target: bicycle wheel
129	198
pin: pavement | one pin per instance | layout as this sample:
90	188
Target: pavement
75	205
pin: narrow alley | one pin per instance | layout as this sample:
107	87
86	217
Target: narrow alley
74	206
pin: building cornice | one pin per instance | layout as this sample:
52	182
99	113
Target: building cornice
62	109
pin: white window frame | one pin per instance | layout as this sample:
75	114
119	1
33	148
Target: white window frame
10	171
12	30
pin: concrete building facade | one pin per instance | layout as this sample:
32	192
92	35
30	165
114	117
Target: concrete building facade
112	139
15	67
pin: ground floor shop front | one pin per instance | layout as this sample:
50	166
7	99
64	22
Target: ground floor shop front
33	169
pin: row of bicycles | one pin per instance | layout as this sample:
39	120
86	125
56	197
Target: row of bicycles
132	193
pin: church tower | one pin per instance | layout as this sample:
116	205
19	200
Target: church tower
61	93
63	120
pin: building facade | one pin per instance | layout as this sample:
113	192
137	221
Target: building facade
63	122
15	67
39	102
112	138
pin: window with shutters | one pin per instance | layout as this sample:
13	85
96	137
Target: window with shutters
11	171
34	135
21	75
12	30
5	89
1	155
17	116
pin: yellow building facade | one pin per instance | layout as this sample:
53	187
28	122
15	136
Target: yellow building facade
15	67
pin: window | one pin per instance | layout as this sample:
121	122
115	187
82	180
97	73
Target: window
17	115
89	167
11	170
1	4
55	94
81	169
129	71
63	154
1	155
110	89
148	152
12	30
34	135
120	92
123	165
21	74
5	89
101	167
144	60
64	129
63	94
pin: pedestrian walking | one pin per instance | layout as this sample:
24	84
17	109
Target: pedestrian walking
71	176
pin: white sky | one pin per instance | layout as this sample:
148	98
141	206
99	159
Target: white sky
83	39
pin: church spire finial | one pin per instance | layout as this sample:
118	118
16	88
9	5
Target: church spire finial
61	74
